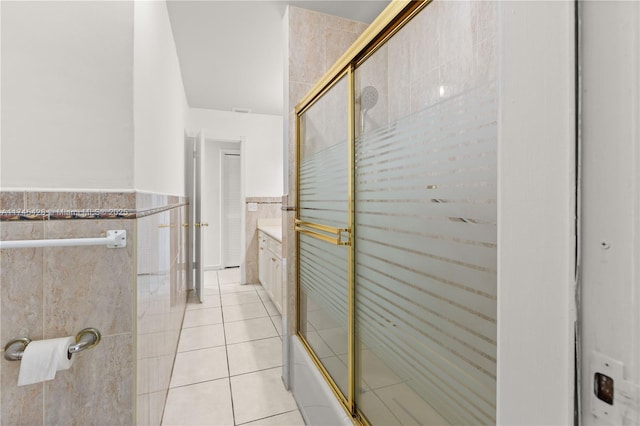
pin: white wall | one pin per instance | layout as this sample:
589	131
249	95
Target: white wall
0	120
536	214
262	138
287	109
610	206
211	204
160	105
92	97
67	112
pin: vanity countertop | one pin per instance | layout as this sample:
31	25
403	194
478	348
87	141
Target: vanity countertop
274	231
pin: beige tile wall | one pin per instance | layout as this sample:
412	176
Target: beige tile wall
161	301
55	292
316	41
53	200
425	63
135	296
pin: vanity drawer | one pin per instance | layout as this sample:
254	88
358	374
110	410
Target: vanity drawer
275	247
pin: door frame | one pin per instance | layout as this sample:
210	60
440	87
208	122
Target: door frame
193	183
211	136
610	206
189	190
537	205
213	178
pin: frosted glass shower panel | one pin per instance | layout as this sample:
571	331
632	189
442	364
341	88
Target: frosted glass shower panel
324	159
425	224
323	203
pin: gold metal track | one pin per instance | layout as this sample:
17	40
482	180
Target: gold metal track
398	13
351	332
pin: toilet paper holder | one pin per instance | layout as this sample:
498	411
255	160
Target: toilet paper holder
87	338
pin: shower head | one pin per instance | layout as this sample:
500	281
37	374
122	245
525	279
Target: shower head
368	98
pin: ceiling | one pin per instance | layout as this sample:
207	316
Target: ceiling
231	53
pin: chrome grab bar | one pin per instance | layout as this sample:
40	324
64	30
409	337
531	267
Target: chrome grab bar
86	339
114	239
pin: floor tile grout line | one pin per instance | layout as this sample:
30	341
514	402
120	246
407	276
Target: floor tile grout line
274	324
238	304
254	340
274	305
372	389
256	371
201	309
226	351
247	303
247	319
199	349
242	304
268	417
385	404
204	308
201	325
199	382
269	315
258	338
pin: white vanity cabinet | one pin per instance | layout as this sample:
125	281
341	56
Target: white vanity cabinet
262	258
270	267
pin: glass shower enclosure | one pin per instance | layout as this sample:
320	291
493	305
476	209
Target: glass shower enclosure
396	220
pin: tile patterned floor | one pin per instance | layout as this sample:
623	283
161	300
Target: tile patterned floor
229	362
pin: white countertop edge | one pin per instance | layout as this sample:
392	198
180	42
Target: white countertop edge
272	231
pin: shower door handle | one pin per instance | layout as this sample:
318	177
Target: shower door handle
325	233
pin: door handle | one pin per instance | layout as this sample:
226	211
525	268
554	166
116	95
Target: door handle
198	225
320	232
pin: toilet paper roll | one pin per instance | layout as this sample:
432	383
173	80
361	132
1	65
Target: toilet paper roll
43	358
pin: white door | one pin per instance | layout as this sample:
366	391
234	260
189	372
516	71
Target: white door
231	209
193	171
610	214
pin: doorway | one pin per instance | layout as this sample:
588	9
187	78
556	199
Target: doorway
204	185
215	193
231	208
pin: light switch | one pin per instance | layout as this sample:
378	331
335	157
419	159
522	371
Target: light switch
252	207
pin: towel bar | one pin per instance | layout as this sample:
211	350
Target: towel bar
114	239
